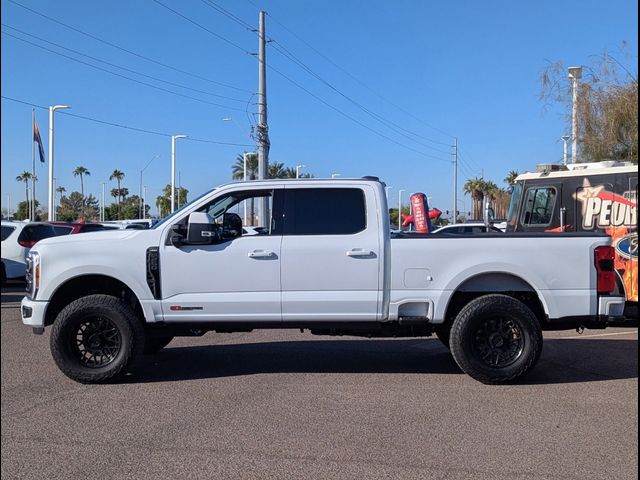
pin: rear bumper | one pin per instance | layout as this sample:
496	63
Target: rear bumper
610	309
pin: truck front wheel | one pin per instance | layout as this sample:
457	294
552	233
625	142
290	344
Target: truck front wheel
496	339
95	338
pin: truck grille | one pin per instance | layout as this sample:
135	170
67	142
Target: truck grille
28	275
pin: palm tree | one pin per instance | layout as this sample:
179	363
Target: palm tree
278	170
237	170
81	171
510	180
237	173
25	177
118	176
475	187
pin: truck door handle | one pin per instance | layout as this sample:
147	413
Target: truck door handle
261	254
359	252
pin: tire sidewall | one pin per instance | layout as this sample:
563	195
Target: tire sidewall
465	327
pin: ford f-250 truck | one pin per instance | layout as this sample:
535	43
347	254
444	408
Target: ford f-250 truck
327	263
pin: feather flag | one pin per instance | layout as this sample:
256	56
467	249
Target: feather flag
37	138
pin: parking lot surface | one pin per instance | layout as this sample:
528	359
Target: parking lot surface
281	404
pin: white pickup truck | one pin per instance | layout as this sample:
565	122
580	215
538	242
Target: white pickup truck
327	263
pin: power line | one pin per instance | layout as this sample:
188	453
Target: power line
127	127
382	135
397	128
123	68
123	76
228	14
218	36
358	80
129	51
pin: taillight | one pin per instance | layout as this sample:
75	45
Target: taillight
606	273
27	243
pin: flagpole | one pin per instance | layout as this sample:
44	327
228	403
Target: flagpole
32	213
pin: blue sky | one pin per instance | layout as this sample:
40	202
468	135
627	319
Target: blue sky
430	70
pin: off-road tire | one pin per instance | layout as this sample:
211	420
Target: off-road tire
443	332
155	344
91	313
496	339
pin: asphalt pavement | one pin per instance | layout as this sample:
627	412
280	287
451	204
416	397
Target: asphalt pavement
284	405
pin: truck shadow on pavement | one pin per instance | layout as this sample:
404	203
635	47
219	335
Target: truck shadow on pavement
562	360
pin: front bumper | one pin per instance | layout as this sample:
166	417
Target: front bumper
33	312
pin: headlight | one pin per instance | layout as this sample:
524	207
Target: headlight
32	274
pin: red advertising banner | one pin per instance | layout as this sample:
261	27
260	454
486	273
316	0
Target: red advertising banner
420	208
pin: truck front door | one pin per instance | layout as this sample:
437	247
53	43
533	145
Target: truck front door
236	280
331	254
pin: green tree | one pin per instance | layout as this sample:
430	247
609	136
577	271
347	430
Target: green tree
26	178
237	170
118	176
163	202
23	211
475	187
607	106
510	180
81	172
76	206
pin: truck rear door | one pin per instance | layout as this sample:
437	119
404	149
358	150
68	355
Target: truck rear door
331	253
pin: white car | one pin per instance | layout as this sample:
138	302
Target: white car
465	229
17	240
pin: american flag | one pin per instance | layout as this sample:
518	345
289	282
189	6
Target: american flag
37	138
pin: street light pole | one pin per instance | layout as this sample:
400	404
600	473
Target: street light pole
173	169
575	73
386	191
298	167
400	208
144	210
50	205
564	138
145	167
102	215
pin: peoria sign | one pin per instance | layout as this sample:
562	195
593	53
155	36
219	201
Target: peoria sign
603	209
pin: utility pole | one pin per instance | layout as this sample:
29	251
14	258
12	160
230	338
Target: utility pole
262	127
575	74
454	155
32	210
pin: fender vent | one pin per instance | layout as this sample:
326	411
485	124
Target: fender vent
153	271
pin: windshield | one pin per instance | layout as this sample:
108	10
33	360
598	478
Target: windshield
512	216
164	220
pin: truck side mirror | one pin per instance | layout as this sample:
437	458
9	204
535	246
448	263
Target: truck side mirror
201	229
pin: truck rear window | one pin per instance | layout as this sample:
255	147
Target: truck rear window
324	211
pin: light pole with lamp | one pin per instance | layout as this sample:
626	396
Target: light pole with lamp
144	210
298	167
50	205
386	191
400	208
564	138
173	169
145	167
575	74
102	215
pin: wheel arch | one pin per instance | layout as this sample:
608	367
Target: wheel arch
84	285
504	283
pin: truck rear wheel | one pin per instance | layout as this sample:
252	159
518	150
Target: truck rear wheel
95	338
496	339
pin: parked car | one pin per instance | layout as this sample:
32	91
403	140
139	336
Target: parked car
465	229
71	228
17	240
